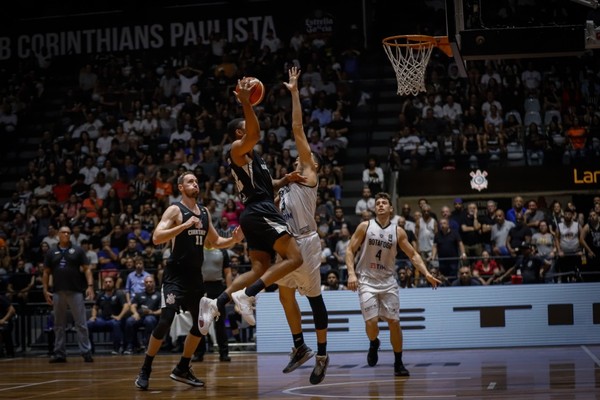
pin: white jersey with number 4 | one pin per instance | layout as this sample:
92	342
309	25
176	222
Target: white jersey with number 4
301	217
376	265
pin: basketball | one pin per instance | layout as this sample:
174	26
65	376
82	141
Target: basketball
256	93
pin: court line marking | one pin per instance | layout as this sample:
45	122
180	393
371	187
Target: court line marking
29	385
293	391
591	355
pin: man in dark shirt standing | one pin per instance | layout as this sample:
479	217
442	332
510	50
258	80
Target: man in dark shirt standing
69	267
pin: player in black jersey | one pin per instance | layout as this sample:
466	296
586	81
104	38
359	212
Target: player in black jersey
264	227
187	225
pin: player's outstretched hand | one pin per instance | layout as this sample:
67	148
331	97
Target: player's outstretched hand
295	177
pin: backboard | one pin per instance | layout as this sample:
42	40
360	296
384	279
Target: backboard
492	29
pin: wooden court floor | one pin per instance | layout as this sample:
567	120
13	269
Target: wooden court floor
558	373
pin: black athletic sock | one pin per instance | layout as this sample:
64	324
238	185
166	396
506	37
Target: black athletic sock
398	357
255	288
222	300
375	343
148	362
298	339
184	363
321	349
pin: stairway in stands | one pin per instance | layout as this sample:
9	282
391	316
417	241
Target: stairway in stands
373	126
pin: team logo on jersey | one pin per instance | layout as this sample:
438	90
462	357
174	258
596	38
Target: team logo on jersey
478	180
71	251
170	299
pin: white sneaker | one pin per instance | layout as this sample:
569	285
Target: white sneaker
207	314
245	306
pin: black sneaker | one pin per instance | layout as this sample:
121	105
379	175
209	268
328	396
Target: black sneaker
224	357
57	359
142	379
185	377
87	357
298	356
372	356
399	370
318	373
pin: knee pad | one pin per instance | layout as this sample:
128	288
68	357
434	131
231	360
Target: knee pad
319	311
164	323
195	330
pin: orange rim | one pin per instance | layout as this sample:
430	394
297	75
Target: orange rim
418	41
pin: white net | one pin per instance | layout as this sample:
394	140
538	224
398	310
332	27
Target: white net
409	55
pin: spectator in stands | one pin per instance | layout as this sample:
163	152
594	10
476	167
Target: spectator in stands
486	269
466	278
135	281
448	249
145	310
470	232
331	180
141	236
404	279
426	229
530	267
107	314
366	202
14	205
531	78
402	259
333	282
78	236
499	234
533	216
20	283
92	205
568	246
373	176
89	171
518	205
590	240
341	245
518	235
43	191
108	259
577	135
91	126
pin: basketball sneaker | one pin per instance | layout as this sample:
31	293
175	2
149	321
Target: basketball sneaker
318	373
245	306
185	376
399	370
142	379
208	313
298	356
372	356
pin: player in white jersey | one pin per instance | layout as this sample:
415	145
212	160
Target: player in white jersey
297	203
374	276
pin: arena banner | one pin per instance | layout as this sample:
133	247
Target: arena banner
498	180
114	30
449	318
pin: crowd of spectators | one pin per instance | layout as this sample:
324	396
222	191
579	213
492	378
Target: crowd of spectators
530	243
505	112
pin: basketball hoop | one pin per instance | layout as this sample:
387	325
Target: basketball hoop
409	55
